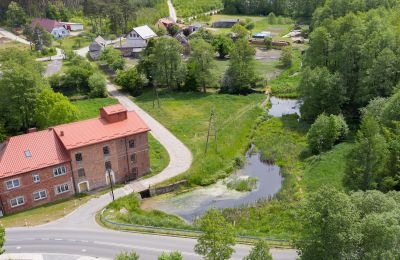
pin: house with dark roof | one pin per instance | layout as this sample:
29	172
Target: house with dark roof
43	166
55	28
96	46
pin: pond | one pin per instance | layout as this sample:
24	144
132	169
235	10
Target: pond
193	204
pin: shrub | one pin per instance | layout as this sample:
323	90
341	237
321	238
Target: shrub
286	57
127	256
97	85
130	80
326	132
176	255
112	58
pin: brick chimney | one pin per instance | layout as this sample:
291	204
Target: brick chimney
31	130
114	113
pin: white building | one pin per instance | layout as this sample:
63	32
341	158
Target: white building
136	40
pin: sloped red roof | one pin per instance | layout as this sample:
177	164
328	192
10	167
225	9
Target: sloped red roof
98	130
30	152
114	109
47	24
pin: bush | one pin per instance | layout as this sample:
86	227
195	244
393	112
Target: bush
97	85
326	132
112	58
127	256
286	57
176	255
130	80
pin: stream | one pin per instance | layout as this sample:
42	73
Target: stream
193	204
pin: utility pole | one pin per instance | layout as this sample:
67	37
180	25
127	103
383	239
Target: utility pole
212	130
111	183
155	97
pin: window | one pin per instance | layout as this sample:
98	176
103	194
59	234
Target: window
18	201
12	184
133	158
35	177
28	154
135	171
108	165
78	157
106	150
131	143
58	171
62	188
81	172
39	195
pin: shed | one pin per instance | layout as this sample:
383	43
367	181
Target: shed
73	26
194	27
225	23
262	35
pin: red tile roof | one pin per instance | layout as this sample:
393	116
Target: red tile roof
47	24
43	146
98	130
49	147
113	109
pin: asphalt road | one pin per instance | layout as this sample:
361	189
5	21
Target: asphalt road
107	243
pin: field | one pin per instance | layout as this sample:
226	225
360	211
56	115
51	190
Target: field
186	8
260	24
72	43
187	116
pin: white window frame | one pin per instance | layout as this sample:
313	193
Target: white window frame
62	185
40	192
17	201
59	171
36	177
13	185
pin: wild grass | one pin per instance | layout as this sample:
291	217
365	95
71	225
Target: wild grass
286	83
186	8
127	210
242	185
187	116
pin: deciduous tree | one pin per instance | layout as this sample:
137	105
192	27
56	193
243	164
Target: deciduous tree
260	251
218	238
223	45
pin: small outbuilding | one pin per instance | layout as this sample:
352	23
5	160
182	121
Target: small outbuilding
194	27
72	27
262	35
225	23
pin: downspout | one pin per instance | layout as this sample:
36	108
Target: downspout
127	160
73	179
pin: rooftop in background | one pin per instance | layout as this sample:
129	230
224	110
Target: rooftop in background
49	147
47	24
145	32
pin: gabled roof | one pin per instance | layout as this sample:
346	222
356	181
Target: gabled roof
100	40
37	150
98	130
145	32
29	152
47	24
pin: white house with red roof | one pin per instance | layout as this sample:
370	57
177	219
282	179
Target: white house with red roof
56	28
58	162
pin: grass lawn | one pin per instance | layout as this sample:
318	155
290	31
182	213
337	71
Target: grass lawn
89	108
72	43
14	45
159	158
187	116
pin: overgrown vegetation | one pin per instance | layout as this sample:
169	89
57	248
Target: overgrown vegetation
242	185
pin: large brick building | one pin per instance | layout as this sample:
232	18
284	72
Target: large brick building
44	166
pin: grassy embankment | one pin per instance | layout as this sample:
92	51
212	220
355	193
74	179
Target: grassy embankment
87	109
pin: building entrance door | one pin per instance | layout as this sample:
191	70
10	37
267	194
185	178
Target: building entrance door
83	187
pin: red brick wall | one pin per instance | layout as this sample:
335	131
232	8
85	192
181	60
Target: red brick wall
94	161
47	182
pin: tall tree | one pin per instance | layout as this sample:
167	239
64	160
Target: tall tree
15	15
367	160
241	72
330	228
169	70
321	92
218	238
223	45
200	63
